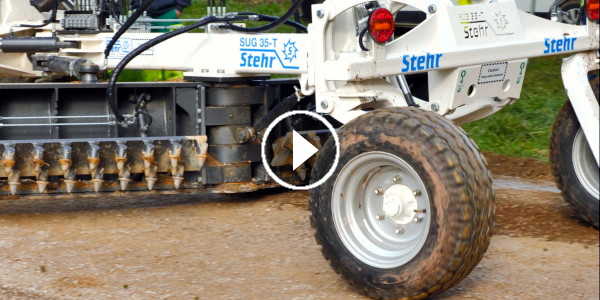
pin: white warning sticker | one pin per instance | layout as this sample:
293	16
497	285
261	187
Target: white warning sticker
124	46
493	72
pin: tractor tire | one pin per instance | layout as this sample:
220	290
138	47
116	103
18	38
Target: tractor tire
574	166
409	210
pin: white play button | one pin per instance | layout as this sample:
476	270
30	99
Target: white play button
302	150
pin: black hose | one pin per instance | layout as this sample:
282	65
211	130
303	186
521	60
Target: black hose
360	39
262	17
138	12
110	91
277	22
285	105
52	18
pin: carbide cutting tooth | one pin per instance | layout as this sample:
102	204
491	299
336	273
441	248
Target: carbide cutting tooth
121	155
14	181
174	156
124	178
65	158
38	158
70	180
42	180
8	158
178	177
93	160
97	180
148	154
150	176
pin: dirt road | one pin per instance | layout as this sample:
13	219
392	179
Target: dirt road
260	246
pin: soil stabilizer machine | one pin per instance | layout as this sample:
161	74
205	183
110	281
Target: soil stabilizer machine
409	207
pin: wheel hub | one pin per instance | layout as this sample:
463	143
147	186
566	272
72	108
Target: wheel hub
399	204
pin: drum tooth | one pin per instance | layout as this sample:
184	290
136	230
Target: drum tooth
174	156
93	160
42	179
38	159
97	179
121	156
178	177
149	164
65	158
201	149
150	175
124	178
8	158
70	180
14	181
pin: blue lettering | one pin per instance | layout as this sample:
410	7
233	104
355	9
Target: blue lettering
406	63
243	64
421	62
559	45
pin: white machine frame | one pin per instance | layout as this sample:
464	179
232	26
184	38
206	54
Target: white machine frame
475	57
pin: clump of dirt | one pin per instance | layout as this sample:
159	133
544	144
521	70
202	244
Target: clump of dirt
518	167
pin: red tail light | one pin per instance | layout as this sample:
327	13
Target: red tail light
591	6
381	25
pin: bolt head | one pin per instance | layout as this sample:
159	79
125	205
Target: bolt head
399	230
379	217
418	219
397	178
417	192
435	106
432	8
324	104
379	191
320	13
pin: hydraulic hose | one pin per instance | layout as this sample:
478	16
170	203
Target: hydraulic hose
262	17
110	91
138	12
52	18
277	22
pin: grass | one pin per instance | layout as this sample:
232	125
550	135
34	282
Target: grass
521	129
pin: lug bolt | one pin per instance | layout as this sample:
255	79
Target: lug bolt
417	192
417	219
379	191
397	178
320	13
432	9
379	216
400	230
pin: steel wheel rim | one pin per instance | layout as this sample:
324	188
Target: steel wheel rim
356	209
585	165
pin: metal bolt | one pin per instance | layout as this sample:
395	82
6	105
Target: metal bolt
417	193
320	13
435	106
432	9
400	229
379	216
379	191
397	178
418	219
324	104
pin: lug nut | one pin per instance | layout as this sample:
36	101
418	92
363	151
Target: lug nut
379	191
379	216
417	219
400	230
417	192
397	178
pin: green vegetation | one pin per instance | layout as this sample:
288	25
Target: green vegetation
521	129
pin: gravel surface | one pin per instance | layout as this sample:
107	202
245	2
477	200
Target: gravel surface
260	246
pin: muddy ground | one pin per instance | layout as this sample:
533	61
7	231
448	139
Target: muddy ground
260	246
